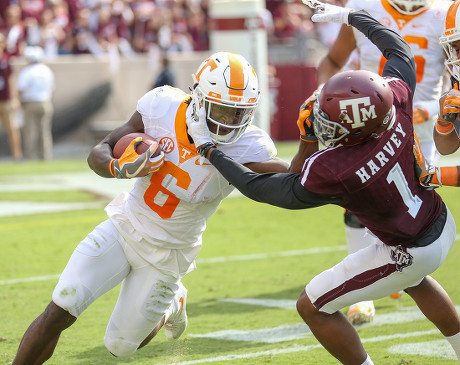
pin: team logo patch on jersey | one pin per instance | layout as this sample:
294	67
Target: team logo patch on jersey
401	257
166	144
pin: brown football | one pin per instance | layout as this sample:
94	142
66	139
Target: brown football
146	142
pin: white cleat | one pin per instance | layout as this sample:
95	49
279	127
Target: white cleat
362	312
176	323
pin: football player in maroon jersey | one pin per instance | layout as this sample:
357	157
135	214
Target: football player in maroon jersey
365	122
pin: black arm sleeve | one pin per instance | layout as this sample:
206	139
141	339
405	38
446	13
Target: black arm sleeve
279	189
400	58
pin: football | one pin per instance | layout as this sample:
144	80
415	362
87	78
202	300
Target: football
146	142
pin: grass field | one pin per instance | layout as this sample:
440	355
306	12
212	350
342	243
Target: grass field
255	261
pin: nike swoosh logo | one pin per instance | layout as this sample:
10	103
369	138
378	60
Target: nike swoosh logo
181	301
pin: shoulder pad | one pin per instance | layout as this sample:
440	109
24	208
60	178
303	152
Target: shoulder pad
156	102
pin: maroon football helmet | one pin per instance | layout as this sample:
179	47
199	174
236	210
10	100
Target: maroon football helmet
352	107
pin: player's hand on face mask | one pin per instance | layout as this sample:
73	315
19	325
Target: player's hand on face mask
131	164
328	12
199	131
451	103
305	120
449	111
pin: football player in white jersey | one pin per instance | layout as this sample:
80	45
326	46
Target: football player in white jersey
446	141
154	232
420	23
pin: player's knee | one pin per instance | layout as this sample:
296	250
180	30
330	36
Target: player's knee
70	296
119	346
304	306
159	300
351	220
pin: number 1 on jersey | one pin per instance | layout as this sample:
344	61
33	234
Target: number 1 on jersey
413	202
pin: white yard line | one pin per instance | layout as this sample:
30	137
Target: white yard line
218	259
212	260
292	349
207	261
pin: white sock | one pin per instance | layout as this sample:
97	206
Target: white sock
358	238
368	361
455	343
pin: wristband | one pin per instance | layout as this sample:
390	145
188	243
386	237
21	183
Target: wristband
204	148
444	130
112	172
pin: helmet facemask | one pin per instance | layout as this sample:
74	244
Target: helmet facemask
327	131
226	121
452	61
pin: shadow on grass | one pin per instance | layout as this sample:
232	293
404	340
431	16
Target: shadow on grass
167	352
215	306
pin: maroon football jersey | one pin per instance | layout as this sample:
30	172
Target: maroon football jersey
376	179
5	73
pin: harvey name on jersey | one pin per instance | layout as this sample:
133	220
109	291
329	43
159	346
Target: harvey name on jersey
382	157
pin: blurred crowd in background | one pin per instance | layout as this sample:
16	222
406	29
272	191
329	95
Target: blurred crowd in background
128	27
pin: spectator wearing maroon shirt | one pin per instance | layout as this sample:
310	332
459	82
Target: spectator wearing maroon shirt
198	28
32	8
84	40
14	137
13	29
52	35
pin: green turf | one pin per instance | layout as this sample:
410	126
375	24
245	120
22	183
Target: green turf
39	245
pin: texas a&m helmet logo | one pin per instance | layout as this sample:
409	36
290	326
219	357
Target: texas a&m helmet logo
361	111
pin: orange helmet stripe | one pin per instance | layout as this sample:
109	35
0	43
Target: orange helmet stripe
209	62
451	15
236	76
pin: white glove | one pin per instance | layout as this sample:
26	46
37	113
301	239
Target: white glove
198	130
328	12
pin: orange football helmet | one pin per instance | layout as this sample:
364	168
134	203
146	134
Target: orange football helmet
226	86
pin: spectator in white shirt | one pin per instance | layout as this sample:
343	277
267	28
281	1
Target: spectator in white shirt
35	88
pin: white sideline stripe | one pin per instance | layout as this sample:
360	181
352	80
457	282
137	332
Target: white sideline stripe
257	256
212	260
207	261
8	208
439	348
27	280
301	330
299	348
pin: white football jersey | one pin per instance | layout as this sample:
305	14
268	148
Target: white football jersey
422	32
170	207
